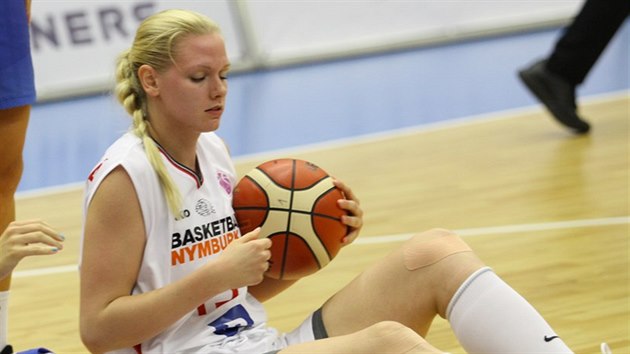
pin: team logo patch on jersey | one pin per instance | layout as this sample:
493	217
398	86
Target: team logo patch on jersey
224	182
204	208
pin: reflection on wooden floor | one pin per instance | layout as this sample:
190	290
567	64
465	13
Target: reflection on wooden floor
562	201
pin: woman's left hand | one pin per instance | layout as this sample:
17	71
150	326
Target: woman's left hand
354	219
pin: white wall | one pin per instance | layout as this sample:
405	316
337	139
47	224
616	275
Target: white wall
75	43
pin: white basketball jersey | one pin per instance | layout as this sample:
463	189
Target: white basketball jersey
176	248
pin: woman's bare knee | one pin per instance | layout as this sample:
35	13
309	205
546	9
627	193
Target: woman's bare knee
11	174
394	337
13	125
447	261
432	246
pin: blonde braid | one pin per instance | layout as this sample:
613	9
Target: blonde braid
154	45
131	96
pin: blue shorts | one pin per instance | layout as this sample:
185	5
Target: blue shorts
17	82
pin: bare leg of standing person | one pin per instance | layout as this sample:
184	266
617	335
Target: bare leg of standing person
13	124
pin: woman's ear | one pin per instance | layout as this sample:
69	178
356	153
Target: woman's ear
148	79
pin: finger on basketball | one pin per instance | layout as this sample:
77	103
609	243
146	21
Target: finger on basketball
349	238
351	206
353	222
250	236
265	243
347	191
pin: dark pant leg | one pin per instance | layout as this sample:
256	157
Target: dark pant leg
586	37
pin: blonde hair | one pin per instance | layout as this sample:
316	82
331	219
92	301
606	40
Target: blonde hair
154	45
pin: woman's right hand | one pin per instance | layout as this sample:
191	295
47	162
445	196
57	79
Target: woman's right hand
26	238
247	259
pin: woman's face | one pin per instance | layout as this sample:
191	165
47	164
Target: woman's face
191	93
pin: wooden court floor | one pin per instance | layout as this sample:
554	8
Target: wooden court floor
546	209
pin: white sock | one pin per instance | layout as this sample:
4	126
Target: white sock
490	317
4	318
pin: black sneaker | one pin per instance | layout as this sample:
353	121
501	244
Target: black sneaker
555	93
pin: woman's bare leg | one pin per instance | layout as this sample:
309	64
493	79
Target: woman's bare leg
421	279
383	337
403	289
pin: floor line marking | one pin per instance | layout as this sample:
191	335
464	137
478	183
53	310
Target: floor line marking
44	271
508	229
369	240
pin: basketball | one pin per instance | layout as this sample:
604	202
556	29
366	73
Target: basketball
295	204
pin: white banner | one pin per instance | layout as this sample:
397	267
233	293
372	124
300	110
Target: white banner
75	43
292	31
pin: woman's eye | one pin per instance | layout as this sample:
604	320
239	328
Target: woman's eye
197	79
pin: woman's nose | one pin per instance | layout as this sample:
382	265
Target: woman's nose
218	88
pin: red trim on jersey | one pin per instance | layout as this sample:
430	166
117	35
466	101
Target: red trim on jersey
183	168
138	348
221	303
91	176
